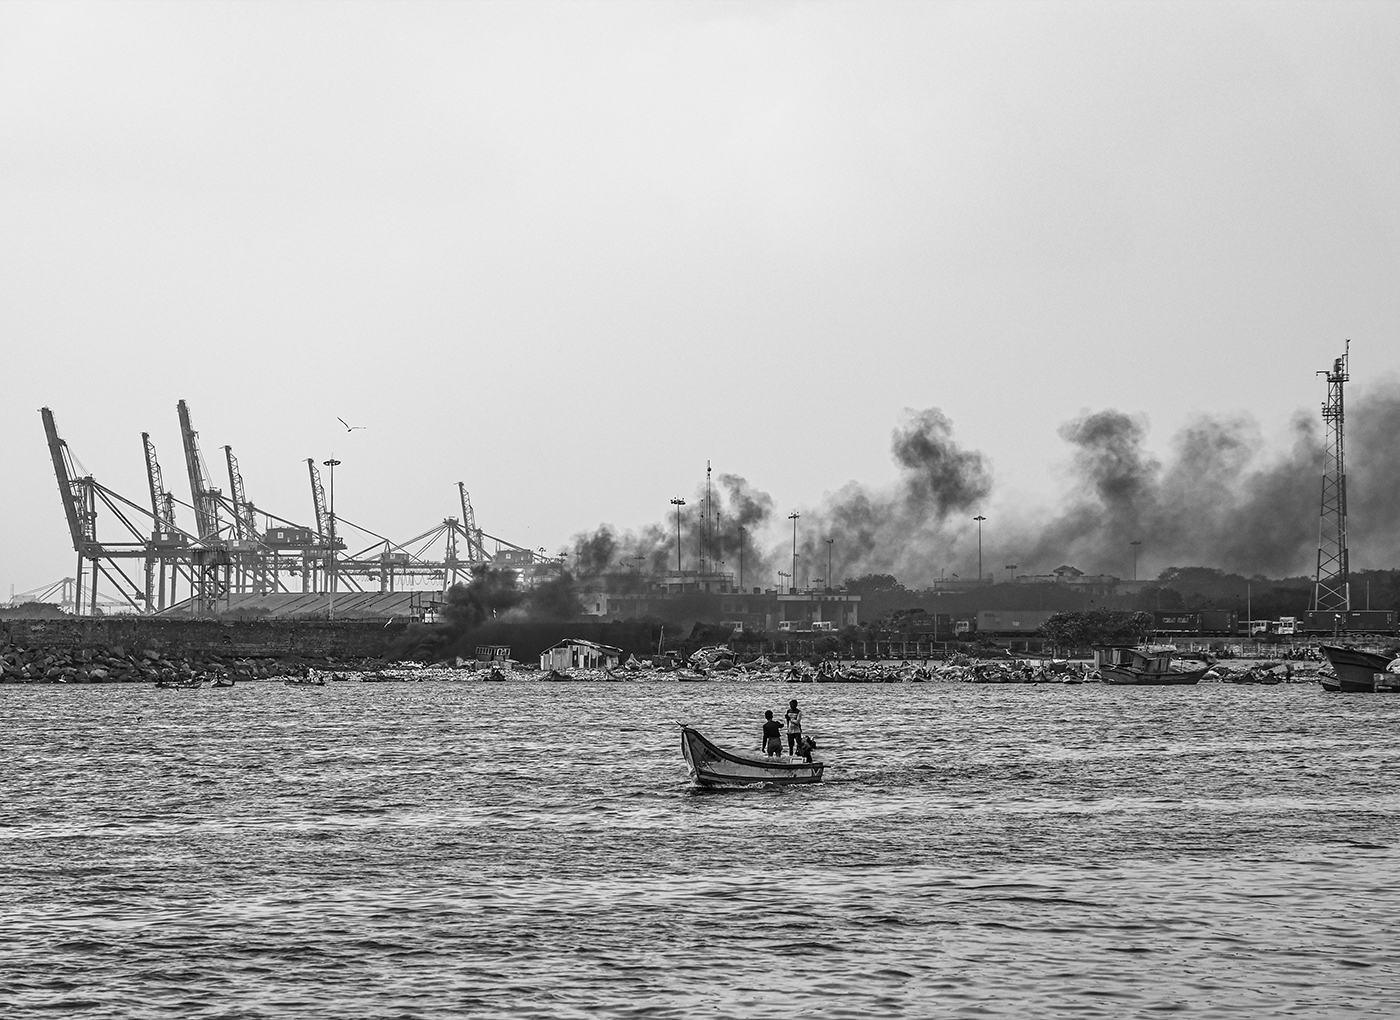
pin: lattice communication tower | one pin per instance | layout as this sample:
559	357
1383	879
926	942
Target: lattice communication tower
1333	591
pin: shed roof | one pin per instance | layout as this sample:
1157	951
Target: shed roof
583	643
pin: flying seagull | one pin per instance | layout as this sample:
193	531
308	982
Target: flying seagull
348	426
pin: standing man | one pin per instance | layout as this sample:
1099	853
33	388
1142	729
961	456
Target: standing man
793	718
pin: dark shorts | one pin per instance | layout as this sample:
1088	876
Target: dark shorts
774	745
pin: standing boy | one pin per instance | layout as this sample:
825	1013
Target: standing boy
793	718
772	736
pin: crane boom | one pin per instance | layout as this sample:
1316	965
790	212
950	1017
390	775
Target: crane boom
81	525
162	502
476	550
244	523
318	501
206	500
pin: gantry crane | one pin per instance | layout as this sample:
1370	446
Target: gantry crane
168	543
226	551
211	554
81	494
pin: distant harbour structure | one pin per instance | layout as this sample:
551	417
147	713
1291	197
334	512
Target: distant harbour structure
236	553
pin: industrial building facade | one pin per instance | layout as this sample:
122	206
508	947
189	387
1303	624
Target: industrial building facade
714	598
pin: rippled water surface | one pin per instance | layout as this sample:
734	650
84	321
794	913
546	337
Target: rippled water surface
459	848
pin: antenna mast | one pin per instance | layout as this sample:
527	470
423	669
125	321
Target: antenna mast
1333	591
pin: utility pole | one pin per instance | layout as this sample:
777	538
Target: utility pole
829	543
332	464
979	519
793	576
706	532
741	557
678	503
1135	545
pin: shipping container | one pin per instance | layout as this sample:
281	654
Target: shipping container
1219	621
1176	623
1359	621
1012	621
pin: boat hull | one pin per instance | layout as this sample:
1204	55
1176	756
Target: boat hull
1357	670
711	765
1136	678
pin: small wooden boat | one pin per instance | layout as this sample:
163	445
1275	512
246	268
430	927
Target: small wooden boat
712	765
1130	667
1360	671
304	681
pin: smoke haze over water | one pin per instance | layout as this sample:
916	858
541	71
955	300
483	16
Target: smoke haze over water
1220	497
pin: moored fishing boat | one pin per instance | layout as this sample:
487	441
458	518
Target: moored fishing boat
1360	671
1130	667
712	765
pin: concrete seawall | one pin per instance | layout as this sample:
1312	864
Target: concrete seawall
318	639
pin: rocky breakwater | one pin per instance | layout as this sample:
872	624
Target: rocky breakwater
21	665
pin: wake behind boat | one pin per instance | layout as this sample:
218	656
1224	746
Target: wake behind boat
712	765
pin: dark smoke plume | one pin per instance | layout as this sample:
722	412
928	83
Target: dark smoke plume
1218	497
738	516
940	479
1222	499
908	530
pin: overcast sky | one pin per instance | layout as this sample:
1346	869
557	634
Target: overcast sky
567	252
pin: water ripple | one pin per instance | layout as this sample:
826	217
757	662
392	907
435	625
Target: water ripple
522	850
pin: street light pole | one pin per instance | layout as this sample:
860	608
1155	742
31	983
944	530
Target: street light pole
332	464
829	543
678	503
979	519
793	517
1135	545
741	557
